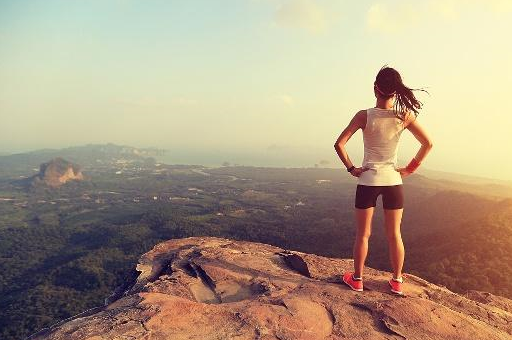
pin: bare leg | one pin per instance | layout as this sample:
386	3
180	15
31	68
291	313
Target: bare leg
364	227
393	219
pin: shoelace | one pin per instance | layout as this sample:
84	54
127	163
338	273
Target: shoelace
402	278
356	278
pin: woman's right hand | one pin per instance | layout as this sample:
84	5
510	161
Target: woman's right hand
356	172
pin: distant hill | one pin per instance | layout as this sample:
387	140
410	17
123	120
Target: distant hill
87	155
453	176
489	187
57	172
93	155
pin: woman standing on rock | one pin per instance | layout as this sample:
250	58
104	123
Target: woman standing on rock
382	126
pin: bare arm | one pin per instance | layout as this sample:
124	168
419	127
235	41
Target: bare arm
421	135
357	122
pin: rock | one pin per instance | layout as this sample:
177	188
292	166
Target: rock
215	288
57	172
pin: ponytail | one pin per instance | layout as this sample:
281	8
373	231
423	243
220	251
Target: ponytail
406	101
388	83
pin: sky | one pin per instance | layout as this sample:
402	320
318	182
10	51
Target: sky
255	82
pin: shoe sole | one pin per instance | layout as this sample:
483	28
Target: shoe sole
357	290
395	291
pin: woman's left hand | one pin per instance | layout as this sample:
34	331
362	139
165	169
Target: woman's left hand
356	172
403	172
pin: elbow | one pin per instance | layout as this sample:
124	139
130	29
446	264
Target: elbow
429	145
338	146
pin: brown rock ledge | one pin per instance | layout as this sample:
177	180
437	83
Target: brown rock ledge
215	288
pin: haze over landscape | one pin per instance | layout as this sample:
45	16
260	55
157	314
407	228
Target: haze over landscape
169	164
253	82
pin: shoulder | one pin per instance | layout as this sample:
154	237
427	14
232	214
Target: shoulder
360	117
409	117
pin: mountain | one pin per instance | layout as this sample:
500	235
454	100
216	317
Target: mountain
56	172
457	177
217	288
482	186
90	155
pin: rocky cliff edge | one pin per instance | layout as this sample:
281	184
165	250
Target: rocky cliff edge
215	288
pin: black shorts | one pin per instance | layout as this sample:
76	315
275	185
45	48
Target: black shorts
392	196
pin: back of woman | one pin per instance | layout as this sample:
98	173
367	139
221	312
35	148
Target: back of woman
381	137
379	174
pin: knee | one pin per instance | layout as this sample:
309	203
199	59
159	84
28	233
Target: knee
364	236
394	235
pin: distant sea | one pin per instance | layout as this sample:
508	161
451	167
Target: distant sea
272	157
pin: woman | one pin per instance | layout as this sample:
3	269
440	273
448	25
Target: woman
382	126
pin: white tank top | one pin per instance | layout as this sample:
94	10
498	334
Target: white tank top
381	136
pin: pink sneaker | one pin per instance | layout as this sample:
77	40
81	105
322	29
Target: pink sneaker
354	284
396	285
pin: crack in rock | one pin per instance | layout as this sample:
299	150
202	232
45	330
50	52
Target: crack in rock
392	325
143	325
187	268
386	322
206	279
331	314
295	262
161	267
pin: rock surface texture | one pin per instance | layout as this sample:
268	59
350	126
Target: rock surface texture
214	288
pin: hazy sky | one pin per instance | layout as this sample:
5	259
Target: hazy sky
265	78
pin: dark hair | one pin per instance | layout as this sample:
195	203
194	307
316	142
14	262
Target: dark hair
388	83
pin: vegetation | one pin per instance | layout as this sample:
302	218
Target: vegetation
64	250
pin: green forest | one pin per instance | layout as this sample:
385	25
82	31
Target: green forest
59	259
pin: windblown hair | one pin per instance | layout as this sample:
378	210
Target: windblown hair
388	83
